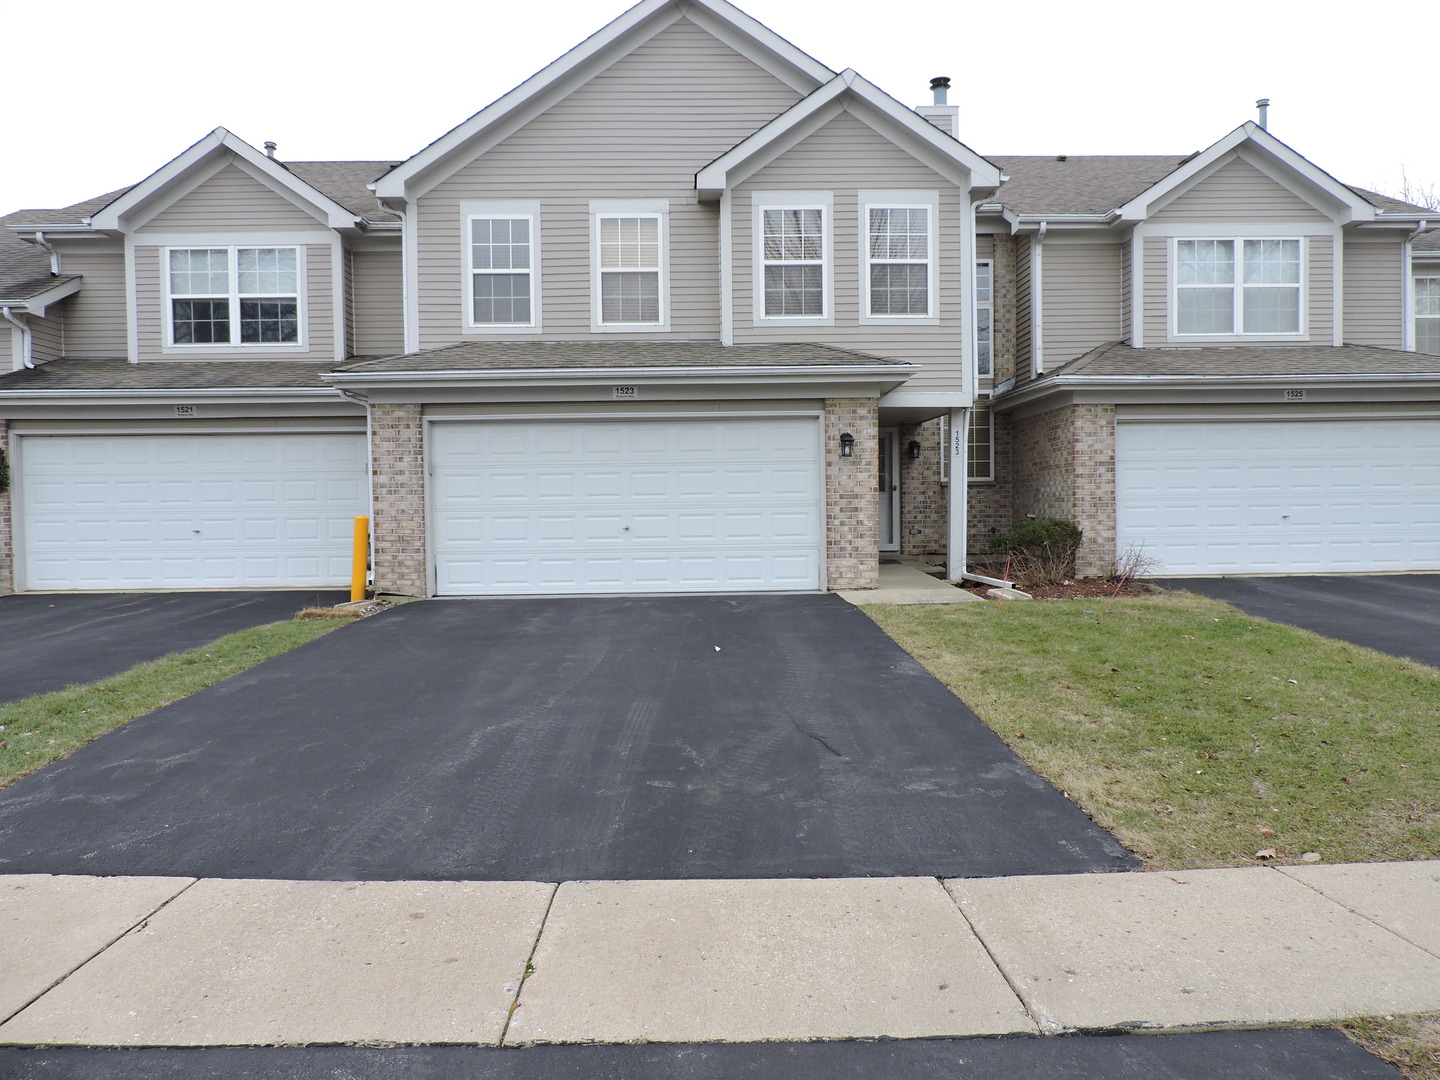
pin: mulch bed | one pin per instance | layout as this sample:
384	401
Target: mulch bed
1083	589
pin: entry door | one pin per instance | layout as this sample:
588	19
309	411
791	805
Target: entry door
887	489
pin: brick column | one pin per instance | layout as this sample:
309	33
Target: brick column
1065	468
397	470
7	544
852	510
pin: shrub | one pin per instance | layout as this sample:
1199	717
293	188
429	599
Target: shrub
1041	550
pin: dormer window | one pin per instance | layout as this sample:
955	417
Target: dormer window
234	296
1233	287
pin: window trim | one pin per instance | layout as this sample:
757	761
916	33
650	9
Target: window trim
822	201
532	221
1416	317
234	298
471	209
985	305
900	200
1238	286
601	209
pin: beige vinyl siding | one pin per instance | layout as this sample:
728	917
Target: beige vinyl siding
47	336
7	353
1024	310
1320	301
1082	299
1237	192
377	309
847	148
319	313
1127	289
1375	293
638	130
95	316
231	201
984	247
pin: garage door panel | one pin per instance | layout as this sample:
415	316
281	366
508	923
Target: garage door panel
189	511
1281	497
626	506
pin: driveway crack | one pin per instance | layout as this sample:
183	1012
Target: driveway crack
810	734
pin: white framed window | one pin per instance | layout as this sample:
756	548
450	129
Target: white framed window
980	445
246	296
899	262
500	265
1230	287
793	258
630	265
985	316
1427	315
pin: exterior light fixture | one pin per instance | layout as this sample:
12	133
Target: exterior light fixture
914	450
847	444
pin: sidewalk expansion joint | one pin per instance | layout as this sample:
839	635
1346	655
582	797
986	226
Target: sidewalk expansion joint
1359	914
139	924
1020	995
529	964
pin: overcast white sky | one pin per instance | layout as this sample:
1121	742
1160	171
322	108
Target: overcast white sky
103	93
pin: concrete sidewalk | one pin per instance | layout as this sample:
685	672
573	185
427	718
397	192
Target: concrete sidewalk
212	962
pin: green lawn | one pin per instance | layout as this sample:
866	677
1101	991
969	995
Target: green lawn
1198	735
47	727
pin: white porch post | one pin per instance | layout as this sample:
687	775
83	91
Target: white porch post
959	472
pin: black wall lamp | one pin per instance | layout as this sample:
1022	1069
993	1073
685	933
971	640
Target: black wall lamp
847	444
914	450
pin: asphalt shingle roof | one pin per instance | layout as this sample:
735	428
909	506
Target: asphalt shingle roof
564	355
122	375
1090	184
24	268
1119	359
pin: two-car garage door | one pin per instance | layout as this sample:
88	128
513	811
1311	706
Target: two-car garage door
185	511
1280	496
626	506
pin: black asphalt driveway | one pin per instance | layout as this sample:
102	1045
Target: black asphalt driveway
1221	1055
780	736
49	641
1391	613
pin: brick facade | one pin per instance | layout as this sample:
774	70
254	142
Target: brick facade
397	464
1064	466
7	543
924	500
852	511
992	506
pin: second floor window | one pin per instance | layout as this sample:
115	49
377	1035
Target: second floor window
1235	287
502	291
234	296
1427	315
793	255
899	260
630	270
984	320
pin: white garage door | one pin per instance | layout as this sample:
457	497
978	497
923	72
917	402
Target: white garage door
189	511
1280	496
521	508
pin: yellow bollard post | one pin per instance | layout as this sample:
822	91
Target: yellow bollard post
360	557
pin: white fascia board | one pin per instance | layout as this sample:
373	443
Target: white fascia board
854	372
795	68
919	399
169	395
902	126
36	304
112	216
1115	386
1352	206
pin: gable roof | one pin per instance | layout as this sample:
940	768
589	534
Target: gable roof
795	68
159	183
847	90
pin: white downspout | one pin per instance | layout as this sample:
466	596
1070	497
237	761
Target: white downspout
1037	293
1407	332
27	341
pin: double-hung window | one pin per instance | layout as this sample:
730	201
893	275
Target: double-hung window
980	444
234	295
1231	287
502	271
630	263
793	259
984	317
900	271
1427	315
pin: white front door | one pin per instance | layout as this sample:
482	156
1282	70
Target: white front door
627	506
887	489
189	511
1280	496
